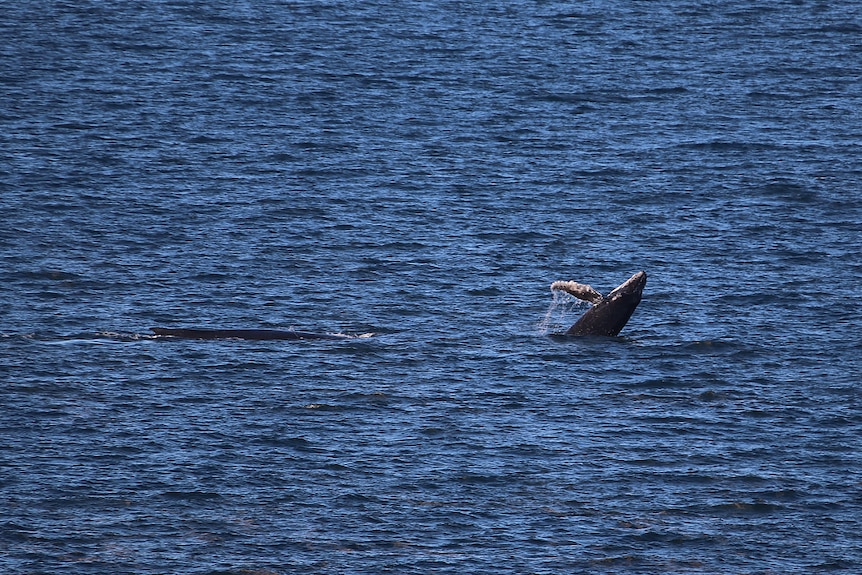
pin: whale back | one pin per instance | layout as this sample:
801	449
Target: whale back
250	334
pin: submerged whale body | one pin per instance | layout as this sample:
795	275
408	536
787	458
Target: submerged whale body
251	334
609	314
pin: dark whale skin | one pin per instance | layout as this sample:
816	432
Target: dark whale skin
611	315
250	334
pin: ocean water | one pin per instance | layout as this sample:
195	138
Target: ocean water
422	171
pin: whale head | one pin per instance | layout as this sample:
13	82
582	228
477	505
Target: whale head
611	315
632	287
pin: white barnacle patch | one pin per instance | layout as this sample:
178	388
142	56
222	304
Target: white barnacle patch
580	291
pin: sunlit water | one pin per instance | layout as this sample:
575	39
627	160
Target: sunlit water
423	172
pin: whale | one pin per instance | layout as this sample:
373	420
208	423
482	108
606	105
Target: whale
250	334
609	314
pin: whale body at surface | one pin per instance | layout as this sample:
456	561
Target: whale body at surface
251	334
608	316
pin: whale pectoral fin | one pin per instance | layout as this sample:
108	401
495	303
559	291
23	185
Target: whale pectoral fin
580	291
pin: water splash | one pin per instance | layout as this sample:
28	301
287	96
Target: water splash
556	319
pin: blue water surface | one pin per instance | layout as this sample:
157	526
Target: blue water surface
422	171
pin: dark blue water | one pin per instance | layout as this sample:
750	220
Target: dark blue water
423	171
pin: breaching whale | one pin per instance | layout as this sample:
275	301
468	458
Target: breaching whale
253	334
609	314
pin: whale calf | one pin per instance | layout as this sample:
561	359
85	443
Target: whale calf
252	334
609	314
